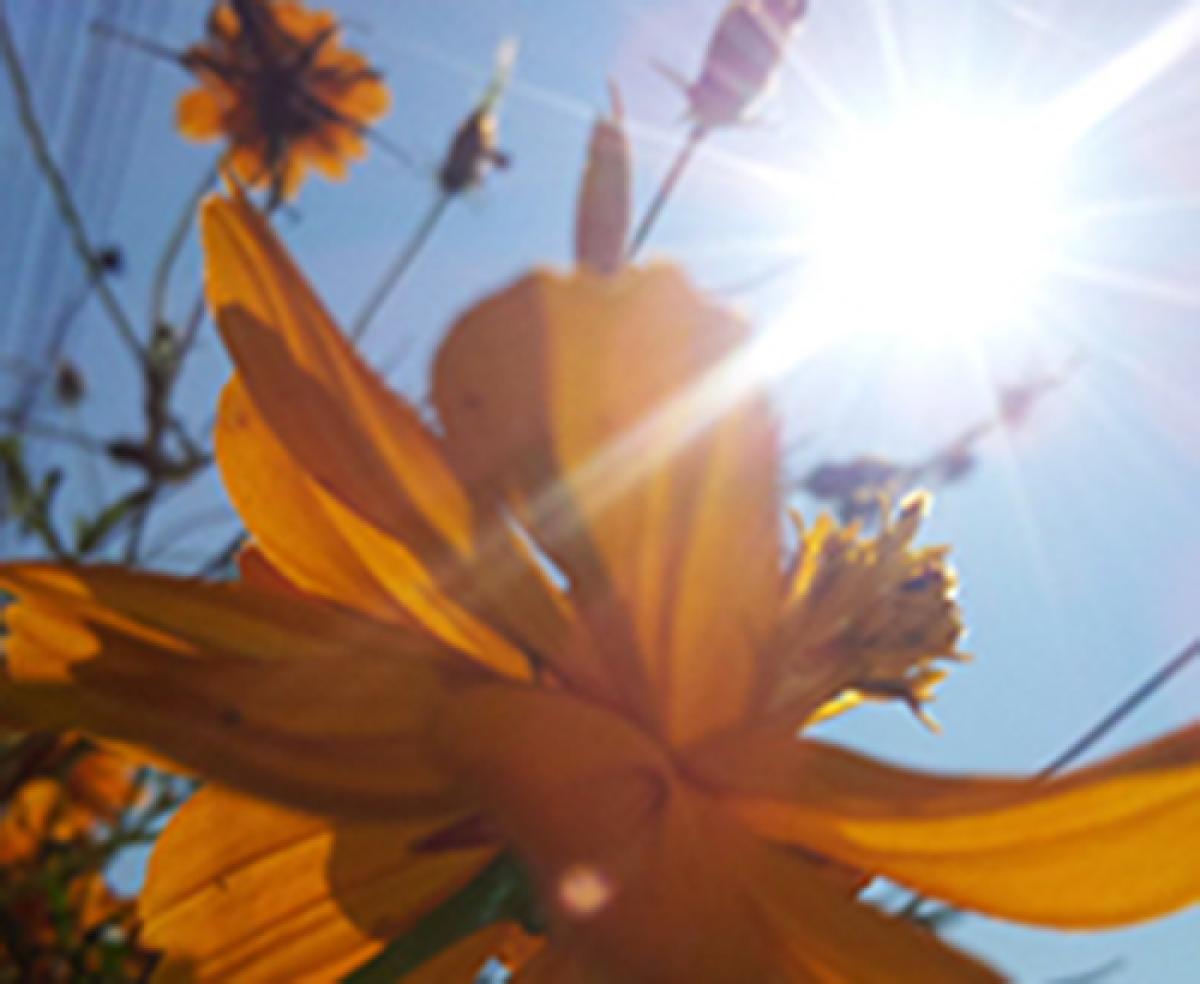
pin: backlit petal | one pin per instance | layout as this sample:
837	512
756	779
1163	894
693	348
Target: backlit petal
200	115
351	439
504	942
607	413
292	700
243	891
339	420
821	933
1103	846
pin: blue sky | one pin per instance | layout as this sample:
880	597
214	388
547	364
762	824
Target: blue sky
1076	539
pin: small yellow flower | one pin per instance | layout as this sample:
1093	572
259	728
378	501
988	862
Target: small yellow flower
275	83
566	626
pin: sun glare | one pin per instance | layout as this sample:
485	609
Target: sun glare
936	226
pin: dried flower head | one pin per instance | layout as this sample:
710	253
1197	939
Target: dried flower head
276	84
744	55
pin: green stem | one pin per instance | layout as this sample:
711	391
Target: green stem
498	892
1156	681
400	266
173	247
665	190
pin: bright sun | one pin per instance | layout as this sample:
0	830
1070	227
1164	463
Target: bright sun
936	226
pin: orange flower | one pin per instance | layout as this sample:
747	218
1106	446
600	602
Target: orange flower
568	626
276	84
57	789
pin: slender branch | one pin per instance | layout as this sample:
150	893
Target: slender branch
59	188
223	557
174	246
112	33
400	266
58	337
190	329
1157	680
51	432
668	186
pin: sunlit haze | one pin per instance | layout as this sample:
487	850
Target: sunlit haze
936	224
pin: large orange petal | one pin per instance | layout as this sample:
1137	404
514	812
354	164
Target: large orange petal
338	419
326	549
352	440
293	700
1103	846
819	933
613	412
243	891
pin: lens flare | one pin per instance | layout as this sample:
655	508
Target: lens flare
936	225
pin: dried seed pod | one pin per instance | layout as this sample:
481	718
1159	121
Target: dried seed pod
745	52
69	385
473	152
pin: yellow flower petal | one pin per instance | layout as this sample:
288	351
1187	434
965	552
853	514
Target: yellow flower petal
821	933
644	476
360	455
314	707
326	549
1105	846
200	115
243	891
339	421
504	942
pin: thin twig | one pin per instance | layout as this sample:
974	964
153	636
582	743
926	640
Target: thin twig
400	266
223	557
59	188
1157	680
174	246
58	337
190	329
113	33
51	432
670	182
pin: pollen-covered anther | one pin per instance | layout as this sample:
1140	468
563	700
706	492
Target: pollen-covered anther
866	618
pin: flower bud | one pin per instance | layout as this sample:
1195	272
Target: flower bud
605	196
743	56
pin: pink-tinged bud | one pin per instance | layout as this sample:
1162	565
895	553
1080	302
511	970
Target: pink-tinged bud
605	207
743	57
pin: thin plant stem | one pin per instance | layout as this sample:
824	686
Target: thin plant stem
174	246
670	182
59	188
400	266
63	435
58	337
220	560
1154	683
112	33
191	328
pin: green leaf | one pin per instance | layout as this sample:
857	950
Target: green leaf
500	891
